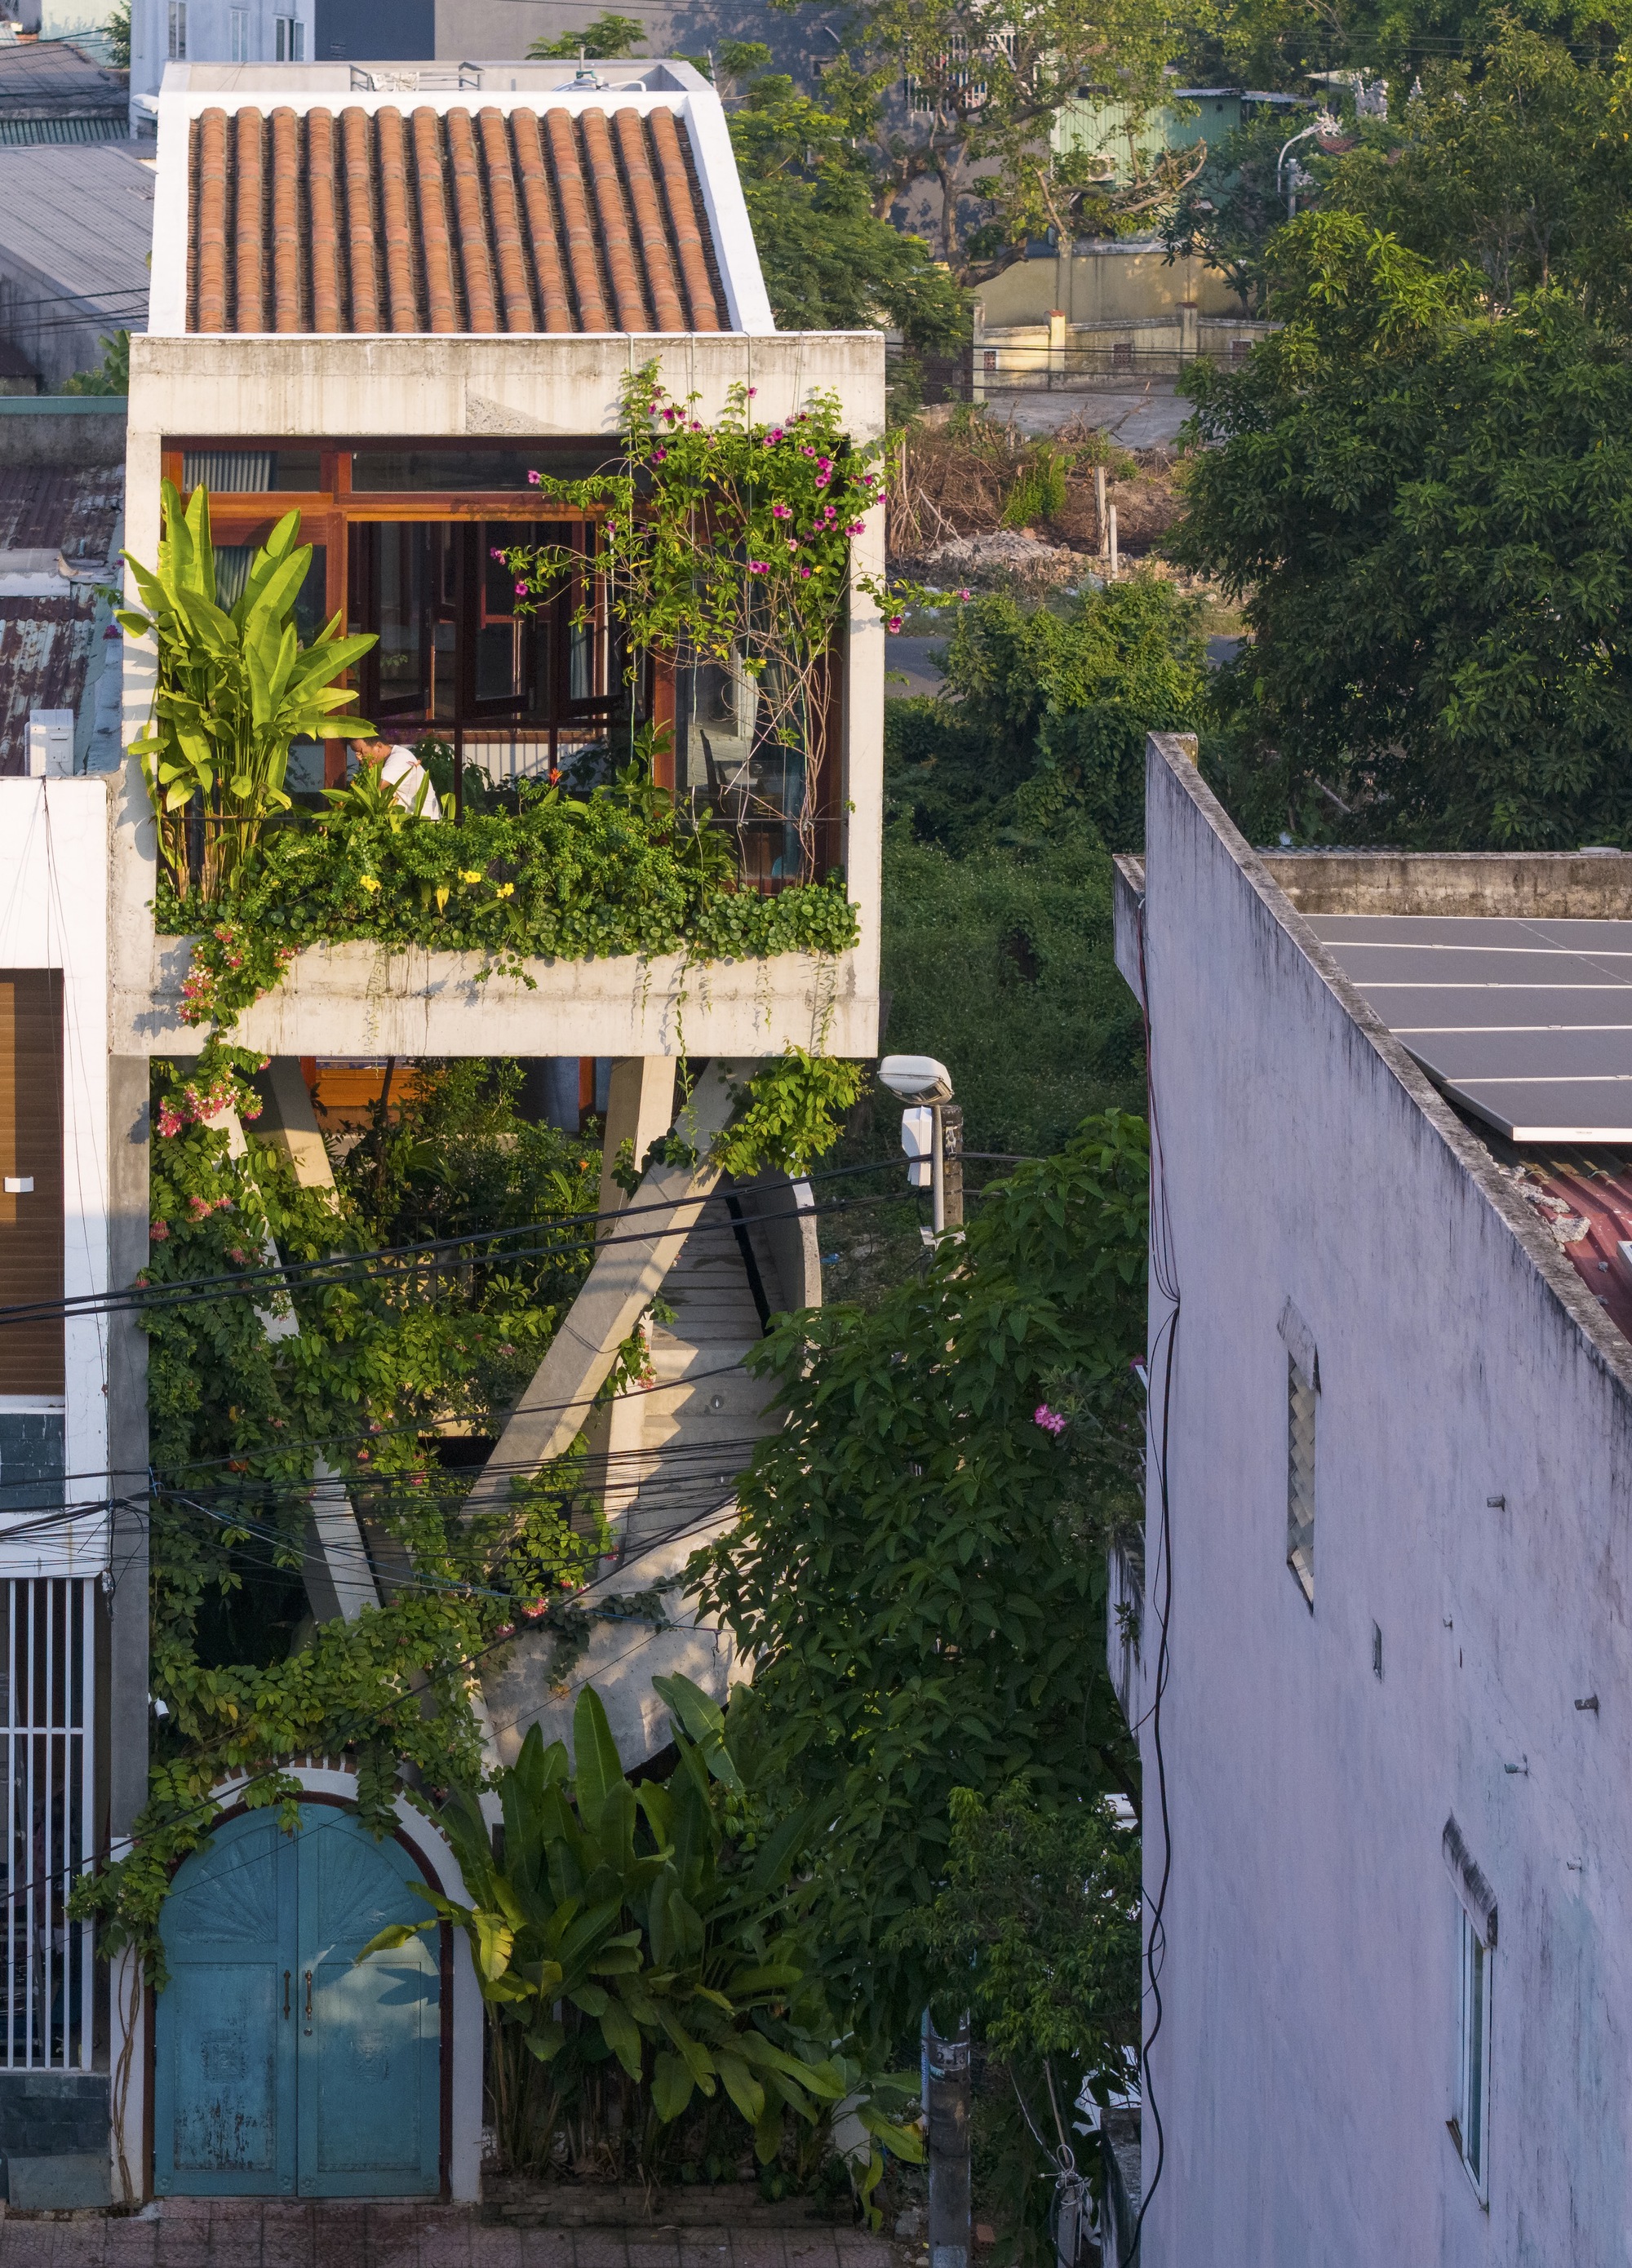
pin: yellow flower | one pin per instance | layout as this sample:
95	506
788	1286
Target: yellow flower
506	889
368	882
441	896
469	877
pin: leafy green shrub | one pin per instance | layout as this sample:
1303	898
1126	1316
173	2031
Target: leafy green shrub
947	1628
556	878
648	1948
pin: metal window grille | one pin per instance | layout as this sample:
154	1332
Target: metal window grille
1301	1477
48	1680
178	30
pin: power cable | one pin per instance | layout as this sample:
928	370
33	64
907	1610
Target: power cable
1165	1277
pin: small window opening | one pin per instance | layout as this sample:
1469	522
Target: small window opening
1472	2119
1301	1477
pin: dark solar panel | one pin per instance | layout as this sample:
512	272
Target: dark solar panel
1527	1023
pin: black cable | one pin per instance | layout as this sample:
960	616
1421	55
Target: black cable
305	1273
1165	1277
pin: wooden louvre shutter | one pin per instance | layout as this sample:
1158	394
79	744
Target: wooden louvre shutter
31	1149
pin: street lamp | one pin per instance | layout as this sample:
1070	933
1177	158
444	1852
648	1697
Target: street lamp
931	1130
1325	124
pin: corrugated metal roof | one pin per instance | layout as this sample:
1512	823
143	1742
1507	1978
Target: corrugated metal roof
83	218
71	509
1583	1198
25	132
38	72
45	645
449	220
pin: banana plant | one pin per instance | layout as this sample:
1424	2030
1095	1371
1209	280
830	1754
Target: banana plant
235	689
626	1929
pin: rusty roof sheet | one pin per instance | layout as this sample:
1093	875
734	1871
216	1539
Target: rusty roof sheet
45	646
449	220
71	509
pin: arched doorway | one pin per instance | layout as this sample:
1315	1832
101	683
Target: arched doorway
282	2068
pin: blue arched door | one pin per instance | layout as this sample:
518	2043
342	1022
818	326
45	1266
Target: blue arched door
282	2069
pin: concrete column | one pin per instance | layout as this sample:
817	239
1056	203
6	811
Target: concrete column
126	1747
556	1405
288	1123
946	2069
640	1107
1189	330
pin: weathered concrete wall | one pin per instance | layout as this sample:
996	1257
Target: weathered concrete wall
350	1001
61	429
1306	2064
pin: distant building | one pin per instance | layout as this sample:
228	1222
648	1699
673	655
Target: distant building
1387	1556
76	230
443	30
59	91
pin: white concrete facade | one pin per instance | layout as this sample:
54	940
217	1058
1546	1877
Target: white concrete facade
350	1000
1472	1483
54	878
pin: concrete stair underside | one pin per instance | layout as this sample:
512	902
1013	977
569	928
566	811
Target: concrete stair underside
666	1457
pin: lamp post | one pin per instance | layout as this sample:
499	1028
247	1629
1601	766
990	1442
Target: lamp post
932	1134
1325	124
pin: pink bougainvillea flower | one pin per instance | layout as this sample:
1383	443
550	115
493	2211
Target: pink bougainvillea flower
965	594
753	391
1050	1420
534	478
660	456
856	527
895	621
520	590
158	1232
806	573
782	512
758	566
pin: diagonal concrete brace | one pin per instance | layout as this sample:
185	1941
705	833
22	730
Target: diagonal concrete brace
618	1290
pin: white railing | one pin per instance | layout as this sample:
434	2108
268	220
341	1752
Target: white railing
48	1684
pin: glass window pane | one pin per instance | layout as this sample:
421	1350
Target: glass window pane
462	468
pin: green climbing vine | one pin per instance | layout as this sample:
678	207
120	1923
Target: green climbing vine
387	1375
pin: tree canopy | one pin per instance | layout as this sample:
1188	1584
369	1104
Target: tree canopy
1426	506
919	1571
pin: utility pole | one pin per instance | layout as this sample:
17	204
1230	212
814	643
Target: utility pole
946	2087
949	1154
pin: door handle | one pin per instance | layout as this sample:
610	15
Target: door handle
309	1999
285	1996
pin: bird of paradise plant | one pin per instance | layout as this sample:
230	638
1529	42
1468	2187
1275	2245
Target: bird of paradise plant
235	689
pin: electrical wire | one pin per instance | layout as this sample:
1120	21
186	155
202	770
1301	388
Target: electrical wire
1164	1275
307	1273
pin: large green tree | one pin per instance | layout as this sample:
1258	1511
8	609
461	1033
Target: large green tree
965	97
830	263
919	1571
1427	508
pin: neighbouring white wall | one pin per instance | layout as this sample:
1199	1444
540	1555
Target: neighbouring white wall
1306	2062
53	843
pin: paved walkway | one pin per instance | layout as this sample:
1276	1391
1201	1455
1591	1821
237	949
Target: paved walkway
202	2233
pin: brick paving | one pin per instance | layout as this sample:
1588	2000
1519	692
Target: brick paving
200	2233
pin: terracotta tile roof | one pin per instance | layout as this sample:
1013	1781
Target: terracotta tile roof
449	220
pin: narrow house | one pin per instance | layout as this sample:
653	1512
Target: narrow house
384	300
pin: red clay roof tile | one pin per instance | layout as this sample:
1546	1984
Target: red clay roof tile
450	221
